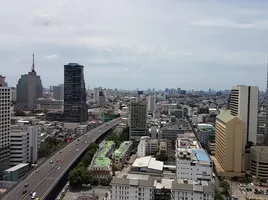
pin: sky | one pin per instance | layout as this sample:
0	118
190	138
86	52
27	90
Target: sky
129	44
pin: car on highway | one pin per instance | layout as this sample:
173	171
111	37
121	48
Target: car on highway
85	141
37	171
99	131
51	162
26	185
24	192
33	195
57	161
77	149
58	168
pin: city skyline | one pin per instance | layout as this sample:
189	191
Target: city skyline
151	43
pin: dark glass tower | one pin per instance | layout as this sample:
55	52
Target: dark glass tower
75	107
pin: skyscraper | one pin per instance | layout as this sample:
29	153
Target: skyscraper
266	111
58	92
138	119
244	104
75	107
4	125
29	88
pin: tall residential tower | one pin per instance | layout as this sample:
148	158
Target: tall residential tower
75	107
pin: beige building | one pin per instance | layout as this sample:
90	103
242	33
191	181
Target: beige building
259	161
229	145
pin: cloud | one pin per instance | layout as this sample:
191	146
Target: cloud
225	23
125	70
51	56
17	61
45	19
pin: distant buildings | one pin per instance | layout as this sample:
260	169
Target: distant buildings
4	125
151	103
96	92
244	103
29	88
229	145
101	101
75	107
138	119
58	92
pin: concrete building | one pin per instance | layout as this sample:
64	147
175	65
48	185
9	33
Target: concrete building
229	145
204	133
58	92
16	173
259	162
192	163
49	104
151	103
25	142
145	187
13	95
81	129
29	88
102	100
146	165
100	166
75	107
138	119
5	120
244	104
96	92
121	154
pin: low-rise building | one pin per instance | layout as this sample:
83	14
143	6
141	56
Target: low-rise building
15	173
259	162
100	166
147	164
122	153
81	129
145	187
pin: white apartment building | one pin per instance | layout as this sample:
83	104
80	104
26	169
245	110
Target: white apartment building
143	146
145	187
5	115
24	144
138	119
192	163
244	103
13	95
96	93
191	190
18	146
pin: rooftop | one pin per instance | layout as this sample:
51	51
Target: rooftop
19	166
201	155
100	159
123	146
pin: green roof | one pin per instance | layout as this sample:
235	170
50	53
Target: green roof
100	159
123	146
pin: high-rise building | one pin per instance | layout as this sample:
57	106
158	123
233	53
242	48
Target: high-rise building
29	88
266	111
138	119
244	103
4	125
151	103
96	93
229	144
101	99
58	92
75	107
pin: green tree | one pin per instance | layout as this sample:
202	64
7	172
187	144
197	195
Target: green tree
225	185
218	195
79	176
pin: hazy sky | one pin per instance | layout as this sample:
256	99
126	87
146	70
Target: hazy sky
192	44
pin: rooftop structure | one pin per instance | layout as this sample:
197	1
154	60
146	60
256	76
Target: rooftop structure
147	164
121	154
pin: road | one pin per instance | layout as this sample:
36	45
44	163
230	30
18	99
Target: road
45	177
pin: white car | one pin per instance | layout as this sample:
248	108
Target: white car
77	149
58	168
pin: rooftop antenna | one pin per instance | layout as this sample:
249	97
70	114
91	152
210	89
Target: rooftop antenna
33	64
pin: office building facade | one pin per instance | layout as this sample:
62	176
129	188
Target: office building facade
5	120
75	107
58	92
244	104
229	145
138	119
29	88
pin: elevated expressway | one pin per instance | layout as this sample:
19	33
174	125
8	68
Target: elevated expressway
45	177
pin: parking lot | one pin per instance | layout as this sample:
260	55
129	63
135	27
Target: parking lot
243	191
